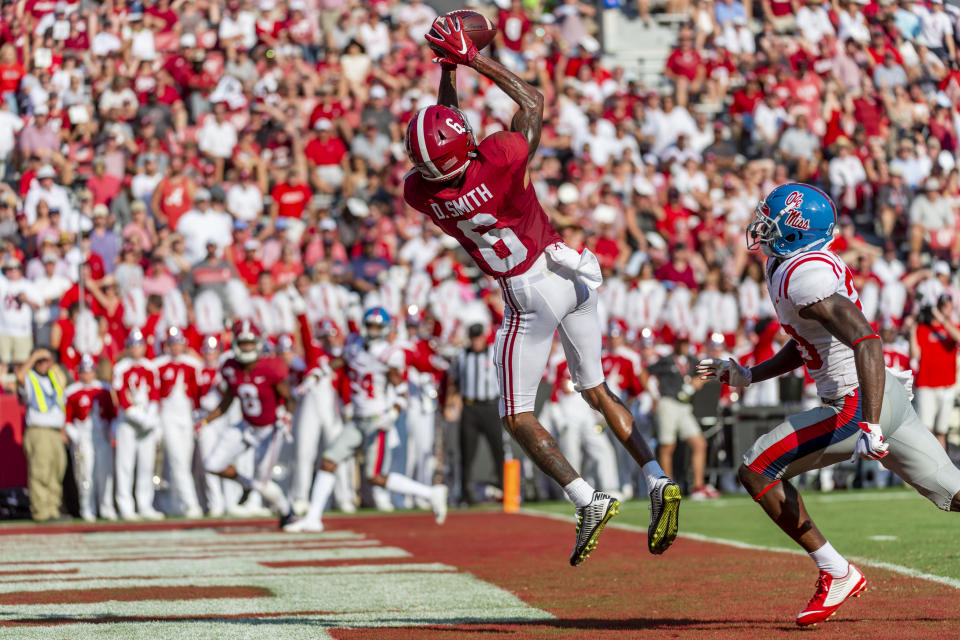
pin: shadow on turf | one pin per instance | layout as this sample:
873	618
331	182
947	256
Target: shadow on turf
433	624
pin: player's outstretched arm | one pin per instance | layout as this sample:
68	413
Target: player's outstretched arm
528	120
846	322
447	93
732	373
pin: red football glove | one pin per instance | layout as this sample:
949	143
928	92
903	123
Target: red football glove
457	44
870	443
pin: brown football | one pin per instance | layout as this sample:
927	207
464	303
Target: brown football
475	25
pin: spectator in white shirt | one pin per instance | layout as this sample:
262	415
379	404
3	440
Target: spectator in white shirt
244	199
18	300
936	32
768	119
417	17
813	21
146	180
912	167
218	136
10	125
238	28
44	188
846	172
142	45
204	225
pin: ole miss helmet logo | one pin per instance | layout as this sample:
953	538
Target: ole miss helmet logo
795	218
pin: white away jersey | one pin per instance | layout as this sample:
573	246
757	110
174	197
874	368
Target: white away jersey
799	282
367	367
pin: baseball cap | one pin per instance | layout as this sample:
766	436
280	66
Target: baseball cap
323	125
475	330
210	343
100	211
327	224
41	110
202	196
251	245
941	268
240	225
46	171
377	91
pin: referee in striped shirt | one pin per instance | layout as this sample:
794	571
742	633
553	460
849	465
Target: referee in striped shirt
474	379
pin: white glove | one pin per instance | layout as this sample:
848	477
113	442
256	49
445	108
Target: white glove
870	444
729	372
297	304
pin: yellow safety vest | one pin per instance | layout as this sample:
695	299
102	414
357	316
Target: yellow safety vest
39	393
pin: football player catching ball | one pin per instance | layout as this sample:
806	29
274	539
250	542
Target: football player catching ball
481	195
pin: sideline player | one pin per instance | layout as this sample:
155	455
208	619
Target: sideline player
866	409
377	393
482	196
260	383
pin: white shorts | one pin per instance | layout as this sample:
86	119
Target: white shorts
536	303
265	441
935	406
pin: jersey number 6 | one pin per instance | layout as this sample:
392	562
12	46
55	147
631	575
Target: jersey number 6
485	241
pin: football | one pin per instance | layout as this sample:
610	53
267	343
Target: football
475	25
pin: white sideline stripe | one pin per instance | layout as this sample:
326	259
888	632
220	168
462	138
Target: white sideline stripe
866	562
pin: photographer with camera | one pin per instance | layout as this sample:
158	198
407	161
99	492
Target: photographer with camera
934	344
677	382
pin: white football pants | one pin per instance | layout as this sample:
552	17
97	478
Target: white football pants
178	442
93	468
136	454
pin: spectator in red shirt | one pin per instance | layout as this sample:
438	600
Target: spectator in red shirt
250	267
103	185
327	158
287	268
173	196
678	270
935	343
11	73
686	68
290	197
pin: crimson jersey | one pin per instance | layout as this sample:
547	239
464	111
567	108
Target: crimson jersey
256	388
496	219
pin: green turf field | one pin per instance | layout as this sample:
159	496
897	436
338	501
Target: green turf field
858	523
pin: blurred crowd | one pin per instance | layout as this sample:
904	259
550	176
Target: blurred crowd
172	163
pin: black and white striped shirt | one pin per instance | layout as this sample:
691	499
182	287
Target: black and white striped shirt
476	375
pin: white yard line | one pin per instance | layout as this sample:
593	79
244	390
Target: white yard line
895	568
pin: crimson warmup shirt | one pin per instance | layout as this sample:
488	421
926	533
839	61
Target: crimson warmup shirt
254	388
938	357
496	219
291	200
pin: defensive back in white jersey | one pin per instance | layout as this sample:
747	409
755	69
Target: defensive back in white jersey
368	363
798	282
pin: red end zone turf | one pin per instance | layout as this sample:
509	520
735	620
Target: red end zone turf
696	590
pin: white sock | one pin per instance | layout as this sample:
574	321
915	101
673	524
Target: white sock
579	492
320	494
275	496
399	483
829	560
652	472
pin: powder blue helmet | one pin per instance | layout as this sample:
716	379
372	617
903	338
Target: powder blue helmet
793	218
376	323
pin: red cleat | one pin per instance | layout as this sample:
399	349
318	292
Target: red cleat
831	593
